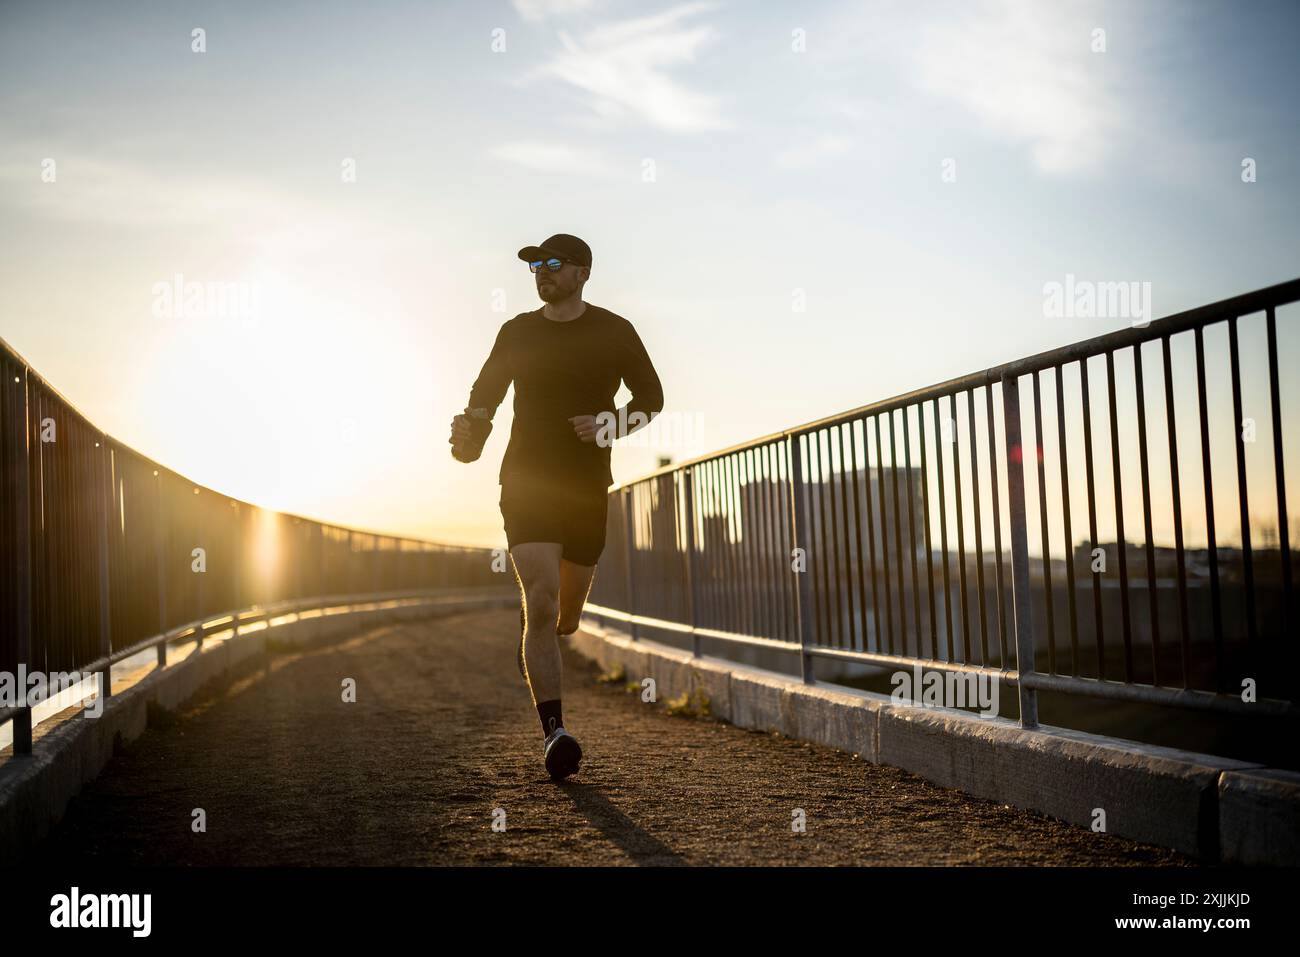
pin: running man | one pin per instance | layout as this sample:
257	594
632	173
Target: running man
566	360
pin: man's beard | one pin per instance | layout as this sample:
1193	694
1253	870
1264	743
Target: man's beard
551	293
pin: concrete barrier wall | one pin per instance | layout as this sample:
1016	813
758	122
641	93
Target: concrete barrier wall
35	789
1213	808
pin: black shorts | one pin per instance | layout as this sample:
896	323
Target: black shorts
541	511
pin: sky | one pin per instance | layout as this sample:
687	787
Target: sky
802	208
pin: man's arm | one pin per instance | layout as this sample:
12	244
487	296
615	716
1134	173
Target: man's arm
469	432
493	379
639	376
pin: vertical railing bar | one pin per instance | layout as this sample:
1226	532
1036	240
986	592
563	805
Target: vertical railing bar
871	538
939	443
1153	595
746	544
898	533
1175	486
977	508
79	545
1022	602
1098	625
1071	592
1050	594
628	550
17	432
823	553
771	488
743	608
736	485
911	531
789	615
1121	544
763	538
1212	546
798	518
236	564
743	611
754	529
687	479
864	644
884	534
103	473
1279	478
728	593
726	618
712	617
1247	556
704	571
961	533
997	524
161	547
825	543
844	579
929	543
835	526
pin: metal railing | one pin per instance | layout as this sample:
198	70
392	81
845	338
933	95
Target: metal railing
899	533
105	553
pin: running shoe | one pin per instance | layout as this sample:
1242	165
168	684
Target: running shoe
562	754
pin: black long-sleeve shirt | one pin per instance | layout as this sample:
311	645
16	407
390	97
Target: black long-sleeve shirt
563	369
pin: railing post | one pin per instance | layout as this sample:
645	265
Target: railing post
351	566
1021	601
160	544
17	436
237	566
803	589
627	559
107	494
320	579
200	614
689	480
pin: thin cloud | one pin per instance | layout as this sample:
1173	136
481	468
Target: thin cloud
551	157
89	190
535	10
813	153
1029	74
625	66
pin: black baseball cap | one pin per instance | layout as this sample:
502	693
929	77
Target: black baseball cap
561	245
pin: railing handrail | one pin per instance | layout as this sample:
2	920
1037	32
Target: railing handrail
70	406
1240	305
788	499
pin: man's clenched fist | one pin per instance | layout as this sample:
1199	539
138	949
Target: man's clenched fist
585	427
468	435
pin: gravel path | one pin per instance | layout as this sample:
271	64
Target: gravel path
442	733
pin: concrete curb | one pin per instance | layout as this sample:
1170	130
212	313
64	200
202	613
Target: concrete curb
1259	816
35	789
1212	808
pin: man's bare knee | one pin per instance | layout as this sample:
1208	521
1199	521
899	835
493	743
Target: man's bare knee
543	606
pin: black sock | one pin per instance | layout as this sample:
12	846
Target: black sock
549	711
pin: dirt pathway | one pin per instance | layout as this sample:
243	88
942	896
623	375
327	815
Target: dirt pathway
443	733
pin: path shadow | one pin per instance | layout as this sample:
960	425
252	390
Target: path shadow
643	847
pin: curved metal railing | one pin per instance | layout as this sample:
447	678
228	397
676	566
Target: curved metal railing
105	552
915	531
